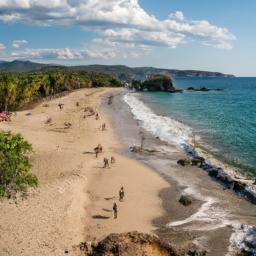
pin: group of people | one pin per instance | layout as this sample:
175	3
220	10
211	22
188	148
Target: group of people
121	199
99	149
90	112
106	161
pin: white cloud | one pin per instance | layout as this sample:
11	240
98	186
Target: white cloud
98	49
116	22
63	54
2	47
178	15
19	43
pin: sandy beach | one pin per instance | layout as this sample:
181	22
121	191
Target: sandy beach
73	202
74	199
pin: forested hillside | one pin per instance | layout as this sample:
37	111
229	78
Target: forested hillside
121	72
18	89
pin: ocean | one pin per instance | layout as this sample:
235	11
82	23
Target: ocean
223	123
168	121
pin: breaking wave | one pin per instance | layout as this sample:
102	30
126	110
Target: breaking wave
166	128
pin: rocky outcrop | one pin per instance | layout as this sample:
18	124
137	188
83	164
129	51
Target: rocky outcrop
134	244
184	162
217	173
245	241
155	83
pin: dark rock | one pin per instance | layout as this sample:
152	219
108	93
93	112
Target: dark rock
224	178
238	186
213	172
249	195
217	173
206	167
198	161
203	89
185	200
184	162
196	253
175	90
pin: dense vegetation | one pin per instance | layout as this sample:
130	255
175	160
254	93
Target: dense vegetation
14	164
155	83
17	89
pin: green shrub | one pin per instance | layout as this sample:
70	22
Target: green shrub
14	164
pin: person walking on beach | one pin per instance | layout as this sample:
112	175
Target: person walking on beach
100	148
121	194
97	116
115	210
106	163
112	160
103	127
61	105
96	150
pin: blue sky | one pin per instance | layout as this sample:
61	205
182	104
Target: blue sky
185	34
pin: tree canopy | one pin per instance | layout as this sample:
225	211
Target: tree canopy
18	89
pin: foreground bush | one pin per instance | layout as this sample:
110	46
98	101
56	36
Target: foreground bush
14	165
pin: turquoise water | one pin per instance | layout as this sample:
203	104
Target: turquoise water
223	121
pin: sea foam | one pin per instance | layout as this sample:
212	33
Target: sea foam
167	129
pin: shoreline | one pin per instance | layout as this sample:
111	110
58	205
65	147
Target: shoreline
214	210
135	177
226	174
73	202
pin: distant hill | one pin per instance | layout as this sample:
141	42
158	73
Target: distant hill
120	71
20	66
